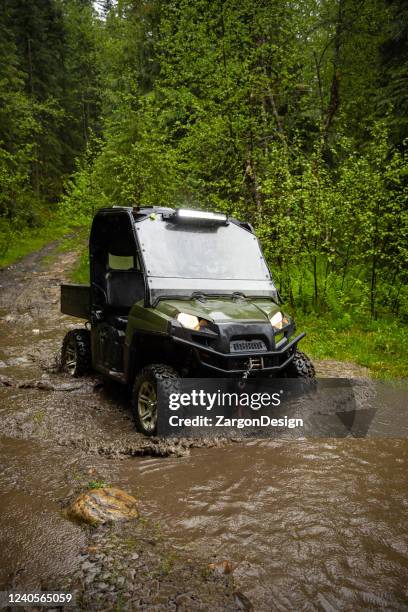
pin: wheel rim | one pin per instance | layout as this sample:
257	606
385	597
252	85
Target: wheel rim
147	405
70	358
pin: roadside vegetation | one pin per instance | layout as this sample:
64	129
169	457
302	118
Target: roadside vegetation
80	273
291	116
380	346
28	240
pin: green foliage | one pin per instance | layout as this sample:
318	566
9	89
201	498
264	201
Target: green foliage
380	346
15	243
49	104
289	115
393	93
80	274
83	194
337	237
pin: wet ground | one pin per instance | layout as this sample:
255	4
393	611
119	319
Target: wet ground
316	524
58	436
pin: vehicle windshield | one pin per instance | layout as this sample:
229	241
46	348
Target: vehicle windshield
217	259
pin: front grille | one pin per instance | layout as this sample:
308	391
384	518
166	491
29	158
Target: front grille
245	346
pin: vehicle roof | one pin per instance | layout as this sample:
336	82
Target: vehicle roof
140	212
136	211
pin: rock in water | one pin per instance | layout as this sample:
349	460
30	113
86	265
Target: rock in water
222	567
104	505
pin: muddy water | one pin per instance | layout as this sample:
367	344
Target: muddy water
56	435
308	524
31	521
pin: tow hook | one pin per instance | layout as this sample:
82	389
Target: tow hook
254	363
241	383
247	371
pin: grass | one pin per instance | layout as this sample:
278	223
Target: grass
380	346
30	240
80	273
97	484
39	417
73	240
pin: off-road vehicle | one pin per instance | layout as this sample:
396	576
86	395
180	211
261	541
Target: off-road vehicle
176	293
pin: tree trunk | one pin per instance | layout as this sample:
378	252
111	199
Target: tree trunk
334	101
35	166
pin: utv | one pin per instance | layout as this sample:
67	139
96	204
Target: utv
176	293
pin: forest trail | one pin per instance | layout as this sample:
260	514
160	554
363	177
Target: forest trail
59	436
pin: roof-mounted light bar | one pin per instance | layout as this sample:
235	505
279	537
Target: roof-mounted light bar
184	215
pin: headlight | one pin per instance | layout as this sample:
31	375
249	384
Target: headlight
188	320
278	320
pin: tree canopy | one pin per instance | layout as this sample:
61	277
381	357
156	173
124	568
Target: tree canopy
292	115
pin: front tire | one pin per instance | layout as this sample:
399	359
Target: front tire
301	367
76	357
144	395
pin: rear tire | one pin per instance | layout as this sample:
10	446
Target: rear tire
144	395
76	357
301	367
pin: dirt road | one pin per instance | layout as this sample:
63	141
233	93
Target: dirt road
57	436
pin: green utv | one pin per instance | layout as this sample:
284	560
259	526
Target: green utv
176	293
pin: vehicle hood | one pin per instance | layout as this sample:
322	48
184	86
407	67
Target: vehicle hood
221	311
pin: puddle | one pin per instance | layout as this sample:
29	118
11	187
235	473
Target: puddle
309	524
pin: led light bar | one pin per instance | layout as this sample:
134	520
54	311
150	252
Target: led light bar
185	215
198	214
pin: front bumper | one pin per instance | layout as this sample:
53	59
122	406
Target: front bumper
238	363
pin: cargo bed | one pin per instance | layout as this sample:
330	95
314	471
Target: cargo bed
76	300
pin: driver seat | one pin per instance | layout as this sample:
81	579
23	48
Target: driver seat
123	289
